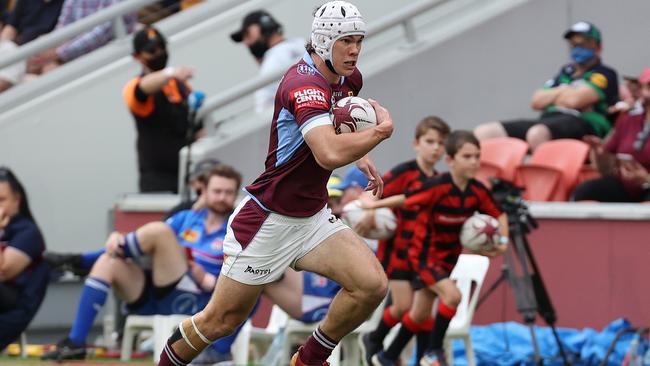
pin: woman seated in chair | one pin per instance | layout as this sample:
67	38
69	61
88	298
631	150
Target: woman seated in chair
624	159
23	274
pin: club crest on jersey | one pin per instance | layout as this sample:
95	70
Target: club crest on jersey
217	244
309	97
306	70
190	235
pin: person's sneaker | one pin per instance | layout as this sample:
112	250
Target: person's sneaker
66	350
295	360
368	348
379	359
434	358
66	262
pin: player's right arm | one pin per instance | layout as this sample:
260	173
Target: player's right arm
333	151
154	81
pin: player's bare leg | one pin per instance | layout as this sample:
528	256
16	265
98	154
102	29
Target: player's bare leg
229	306
284	293
346	259
450	297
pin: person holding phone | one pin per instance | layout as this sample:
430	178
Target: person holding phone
623	159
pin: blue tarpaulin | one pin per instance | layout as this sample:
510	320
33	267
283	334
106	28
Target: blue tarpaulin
509	344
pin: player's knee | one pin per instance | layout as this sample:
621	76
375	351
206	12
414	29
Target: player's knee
375	288
453	299
153	231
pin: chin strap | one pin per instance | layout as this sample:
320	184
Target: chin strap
329	65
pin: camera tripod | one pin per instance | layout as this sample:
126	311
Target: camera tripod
521	270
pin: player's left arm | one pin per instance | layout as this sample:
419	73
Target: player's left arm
333	151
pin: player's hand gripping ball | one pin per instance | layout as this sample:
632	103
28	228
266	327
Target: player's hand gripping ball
385	221
353	114
480	233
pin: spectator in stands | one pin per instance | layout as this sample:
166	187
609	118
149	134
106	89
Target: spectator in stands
151	272
72	11
198	180
158	101
574	103
263	36
23	274
630	94
351	187
624	159
29	20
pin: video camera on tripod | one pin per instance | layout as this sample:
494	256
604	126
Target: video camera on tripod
520	267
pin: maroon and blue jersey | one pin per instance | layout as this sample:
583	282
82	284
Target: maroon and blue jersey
293	184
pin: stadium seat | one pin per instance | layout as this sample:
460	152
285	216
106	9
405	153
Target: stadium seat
469	274
500	157
162	326
553	170
588	172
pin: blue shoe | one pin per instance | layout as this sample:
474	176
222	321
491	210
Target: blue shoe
434	358
379	359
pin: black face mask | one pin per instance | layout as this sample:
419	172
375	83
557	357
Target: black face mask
158	63
259	48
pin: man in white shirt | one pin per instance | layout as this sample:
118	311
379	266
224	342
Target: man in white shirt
262	34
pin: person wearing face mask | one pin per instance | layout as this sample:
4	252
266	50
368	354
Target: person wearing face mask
574	103
263	36
623	159
157	99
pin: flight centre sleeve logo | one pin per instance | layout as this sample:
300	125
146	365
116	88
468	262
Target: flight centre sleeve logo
599	80
309	97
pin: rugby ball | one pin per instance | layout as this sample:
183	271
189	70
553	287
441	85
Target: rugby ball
480	232
353	114
385	221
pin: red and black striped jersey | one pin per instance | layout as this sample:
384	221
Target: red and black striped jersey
404	177
443	208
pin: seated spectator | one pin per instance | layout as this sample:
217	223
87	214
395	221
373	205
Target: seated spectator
263	36
72	11
150	270
157	99
624	159
23	273
29	20
630	94
351	187
574	103
197	183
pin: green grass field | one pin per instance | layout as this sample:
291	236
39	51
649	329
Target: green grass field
14	361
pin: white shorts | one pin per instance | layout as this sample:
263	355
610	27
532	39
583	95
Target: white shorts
13	73
260	245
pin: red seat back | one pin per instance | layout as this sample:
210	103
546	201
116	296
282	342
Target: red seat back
553	170
502	154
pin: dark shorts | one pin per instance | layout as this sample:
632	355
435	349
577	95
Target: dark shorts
170	299
561	125
432	265
393	256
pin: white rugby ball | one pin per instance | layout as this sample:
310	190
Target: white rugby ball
480	232
385	221
353	114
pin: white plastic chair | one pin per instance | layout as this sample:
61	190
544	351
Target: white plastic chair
297	331
162	326
249	334
469	274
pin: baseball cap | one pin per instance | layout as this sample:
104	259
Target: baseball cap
644	78
202	168
585	28
147	40
260	17
332	192
354	177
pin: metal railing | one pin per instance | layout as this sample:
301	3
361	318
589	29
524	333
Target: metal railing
61	35
402	17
